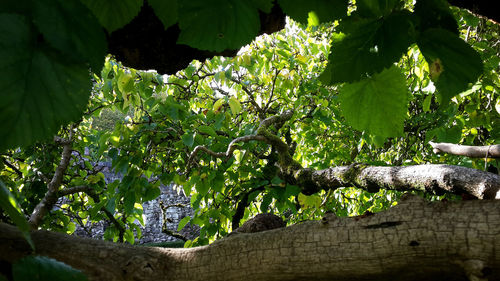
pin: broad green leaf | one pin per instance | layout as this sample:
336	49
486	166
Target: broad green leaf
188	139
376	8
218	104
207	130
309	201
9	204
183	222
217	25
129	201
125	82
235	105
453	64
450	135
40	90
371	46
377	104
263	5
325	10
166	11
435	14
113	14
40	268
152	192
80	37
129	236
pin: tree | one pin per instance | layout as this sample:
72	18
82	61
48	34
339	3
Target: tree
264	132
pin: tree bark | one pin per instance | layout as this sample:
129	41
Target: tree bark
487	151
415	240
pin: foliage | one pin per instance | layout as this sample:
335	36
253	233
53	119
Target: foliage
41	268
47	47
378	54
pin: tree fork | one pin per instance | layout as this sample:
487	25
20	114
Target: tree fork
415	240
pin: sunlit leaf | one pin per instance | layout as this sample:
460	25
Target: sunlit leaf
235	105
377	104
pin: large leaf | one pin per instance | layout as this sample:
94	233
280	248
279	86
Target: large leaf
435	14
166	11
9	204
79	37
39	89
325	10
371	46
113	14
376	8
453	64
377	104
39	268
217	25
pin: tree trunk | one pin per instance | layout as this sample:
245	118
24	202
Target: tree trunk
415	240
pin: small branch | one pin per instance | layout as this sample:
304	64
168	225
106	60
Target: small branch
50	197
487	151
230	149
16	170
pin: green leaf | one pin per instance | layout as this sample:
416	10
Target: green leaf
218	104
453	64
263	5
207	130
39	268
376	8
129	201
39	90
435	14
188	139
9	204
166	11
377	104
371	46
235	105
129	236
217	25
113	14
183	222
72	29
309	201
152	192
450	135
325	10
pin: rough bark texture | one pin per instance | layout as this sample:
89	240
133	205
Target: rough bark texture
487	151
434	178
415	240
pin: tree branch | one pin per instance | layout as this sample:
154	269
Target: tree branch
487	151
436	179
414	240
50	197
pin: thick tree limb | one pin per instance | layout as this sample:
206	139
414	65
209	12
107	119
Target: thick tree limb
415	240
50	197
436	179
487	151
